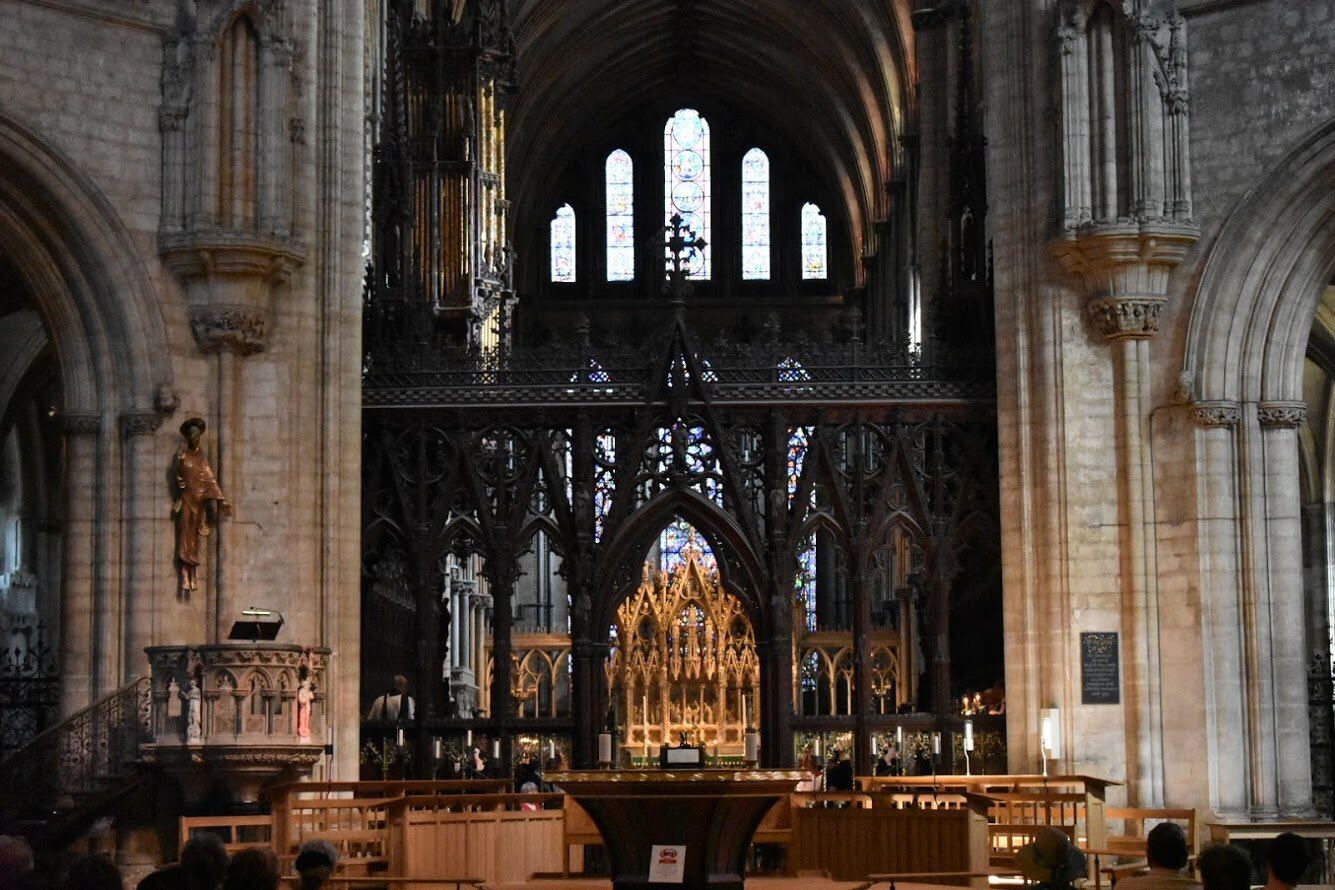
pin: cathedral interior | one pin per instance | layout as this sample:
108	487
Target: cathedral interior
771	378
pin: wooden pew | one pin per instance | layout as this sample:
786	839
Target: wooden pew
578	830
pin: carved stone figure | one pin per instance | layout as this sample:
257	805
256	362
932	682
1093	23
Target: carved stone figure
194	701
195	488
304	699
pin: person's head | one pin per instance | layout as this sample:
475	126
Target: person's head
255	868
400	684
1051	858
1166	846
192	429
1225	867
93	872
204	860
315	863
15	860
1286	858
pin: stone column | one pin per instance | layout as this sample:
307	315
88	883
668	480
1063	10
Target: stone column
1287	674
1125	267
1221	618
140	510
78	603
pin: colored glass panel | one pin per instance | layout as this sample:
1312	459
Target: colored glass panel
815	250
620	182
604	480
805	581
686	182
679	539
563	244
755	215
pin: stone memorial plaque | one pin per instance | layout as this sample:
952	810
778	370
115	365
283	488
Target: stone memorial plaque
1100	679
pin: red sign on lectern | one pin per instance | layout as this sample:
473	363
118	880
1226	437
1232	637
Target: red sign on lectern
667	864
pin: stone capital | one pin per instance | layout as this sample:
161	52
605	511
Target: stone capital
1118	317
81	424
140	423
1216	414
1281	415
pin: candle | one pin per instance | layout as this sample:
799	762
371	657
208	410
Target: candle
468	738
968	735
436	748
936	743
644	709
873	747
604	747
744	722
551	749
1045	734
817	747
752	747
899	738
496	749
398	737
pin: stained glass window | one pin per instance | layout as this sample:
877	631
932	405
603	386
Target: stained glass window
604	480
679	538
755	215
563	244
686	181
814	247
805	581
790	370
797	453
620	217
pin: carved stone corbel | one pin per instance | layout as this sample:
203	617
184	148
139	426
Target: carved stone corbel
1216	414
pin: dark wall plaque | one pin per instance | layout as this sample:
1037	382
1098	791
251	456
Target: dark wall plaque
1100	680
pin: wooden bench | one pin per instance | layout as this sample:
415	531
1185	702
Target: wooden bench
578	830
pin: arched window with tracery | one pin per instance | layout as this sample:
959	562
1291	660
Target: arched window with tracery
755	216
815	249
619	176
686	181
563	245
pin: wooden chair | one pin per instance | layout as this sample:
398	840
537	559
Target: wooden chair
777	828
1130	842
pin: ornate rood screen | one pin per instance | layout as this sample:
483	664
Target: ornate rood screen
683	664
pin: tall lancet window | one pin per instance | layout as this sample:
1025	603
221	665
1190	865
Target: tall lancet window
686	180
563	244
815	251
619	177
755	215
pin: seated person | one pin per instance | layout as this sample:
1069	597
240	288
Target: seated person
1285	861
839	775
1051	860
1166	850
1225	867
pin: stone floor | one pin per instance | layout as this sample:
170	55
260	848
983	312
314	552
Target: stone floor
752	883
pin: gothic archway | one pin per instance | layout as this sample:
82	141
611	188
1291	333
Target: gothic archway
1245	349
99	312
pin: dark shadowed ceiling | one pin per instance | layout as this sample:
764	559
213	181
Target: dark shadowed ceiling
833	77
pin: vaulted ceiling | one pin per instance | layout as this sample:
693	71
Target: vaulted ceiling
832	77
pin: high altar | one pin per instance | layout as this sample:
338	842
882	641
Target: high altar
683	662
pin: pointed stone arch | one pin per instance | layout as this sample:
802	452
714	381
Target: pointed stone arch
1245	345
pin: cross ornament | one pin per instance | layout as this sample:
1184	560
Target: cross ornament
681	243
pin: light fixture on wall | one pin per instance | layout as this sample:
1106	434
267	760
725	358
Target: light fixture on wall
1050	736
256	624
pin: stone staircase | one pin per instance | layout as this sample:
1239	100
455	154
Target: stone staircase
55	787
